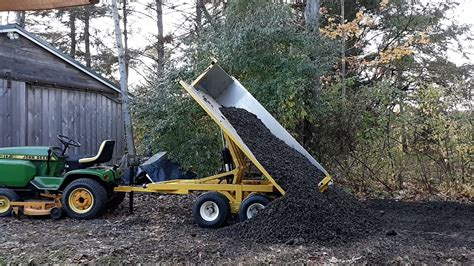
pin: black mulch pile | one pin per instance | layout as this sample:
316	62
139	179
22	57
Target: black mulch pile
303	214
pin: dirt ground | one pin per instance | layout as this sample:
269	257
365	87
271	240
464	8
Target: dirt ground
162	230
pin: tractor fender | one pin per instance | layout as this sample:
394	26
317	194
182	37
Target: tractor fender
99	176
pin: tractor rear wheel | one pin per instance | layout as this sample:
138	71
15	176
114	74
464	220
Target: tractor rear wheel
84	199
211	210
7	196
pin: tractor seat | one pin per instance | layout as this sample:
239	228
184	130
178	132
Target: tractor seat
105	153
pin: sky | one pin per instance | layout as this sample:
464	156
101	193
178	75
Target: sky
174	18
142	27
464	14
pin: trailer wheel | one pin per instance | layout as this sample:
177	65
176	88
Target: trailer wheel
7	196
84	199
251	206
211	210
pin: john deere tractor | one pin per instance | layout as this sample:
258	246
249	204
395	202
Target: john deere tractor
46	181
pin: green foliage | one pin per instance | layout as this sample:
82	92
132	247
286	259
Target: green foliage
262	48
259	43
167	119
382	138
405	123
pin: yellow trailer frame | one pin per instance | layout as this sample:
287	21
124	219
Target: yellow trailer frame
235	191
232	184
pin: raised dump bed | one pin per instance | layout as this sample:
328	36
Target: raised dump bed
215	89
230	191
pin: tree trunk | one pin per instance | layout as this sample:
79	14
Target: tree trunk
87	42
160	43
23	18
311	15
343	50
207	14
123	81
199	3
20	18
72	33
404	138
125	35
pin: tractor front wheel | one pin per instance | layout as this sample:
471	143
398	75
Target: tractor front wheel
84	199
7	196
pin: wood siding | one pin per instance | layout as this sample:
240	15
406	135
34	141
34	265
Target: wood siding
33	115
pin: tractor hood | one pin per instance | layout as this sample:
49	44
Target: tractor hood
26	153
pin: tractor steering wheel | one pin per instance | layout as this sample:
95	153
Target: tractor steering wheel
67	141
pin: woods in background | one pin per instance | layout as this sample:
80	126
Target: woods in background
368	89
392	113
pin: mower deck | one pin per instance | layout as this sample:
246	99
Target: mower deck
44	207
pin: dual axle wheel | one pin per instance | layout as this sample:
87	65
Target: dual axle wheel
212	209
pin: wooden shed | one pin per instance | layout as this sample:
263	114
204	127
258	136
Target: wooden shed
44	92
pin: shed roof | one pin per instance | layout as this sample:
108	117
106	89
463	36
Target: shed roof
35	39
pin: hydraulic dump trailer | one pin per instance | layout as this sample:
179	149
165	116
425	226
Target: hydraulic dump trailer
229	192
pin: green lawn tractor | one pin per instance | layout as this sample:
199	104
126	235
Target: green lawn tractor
45	181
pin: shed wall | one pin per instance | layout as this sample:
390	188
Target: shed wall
33	115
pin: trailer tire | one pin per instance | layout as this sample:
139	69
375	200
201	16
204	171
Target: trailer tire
84	199
6	197
251	205
211	210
